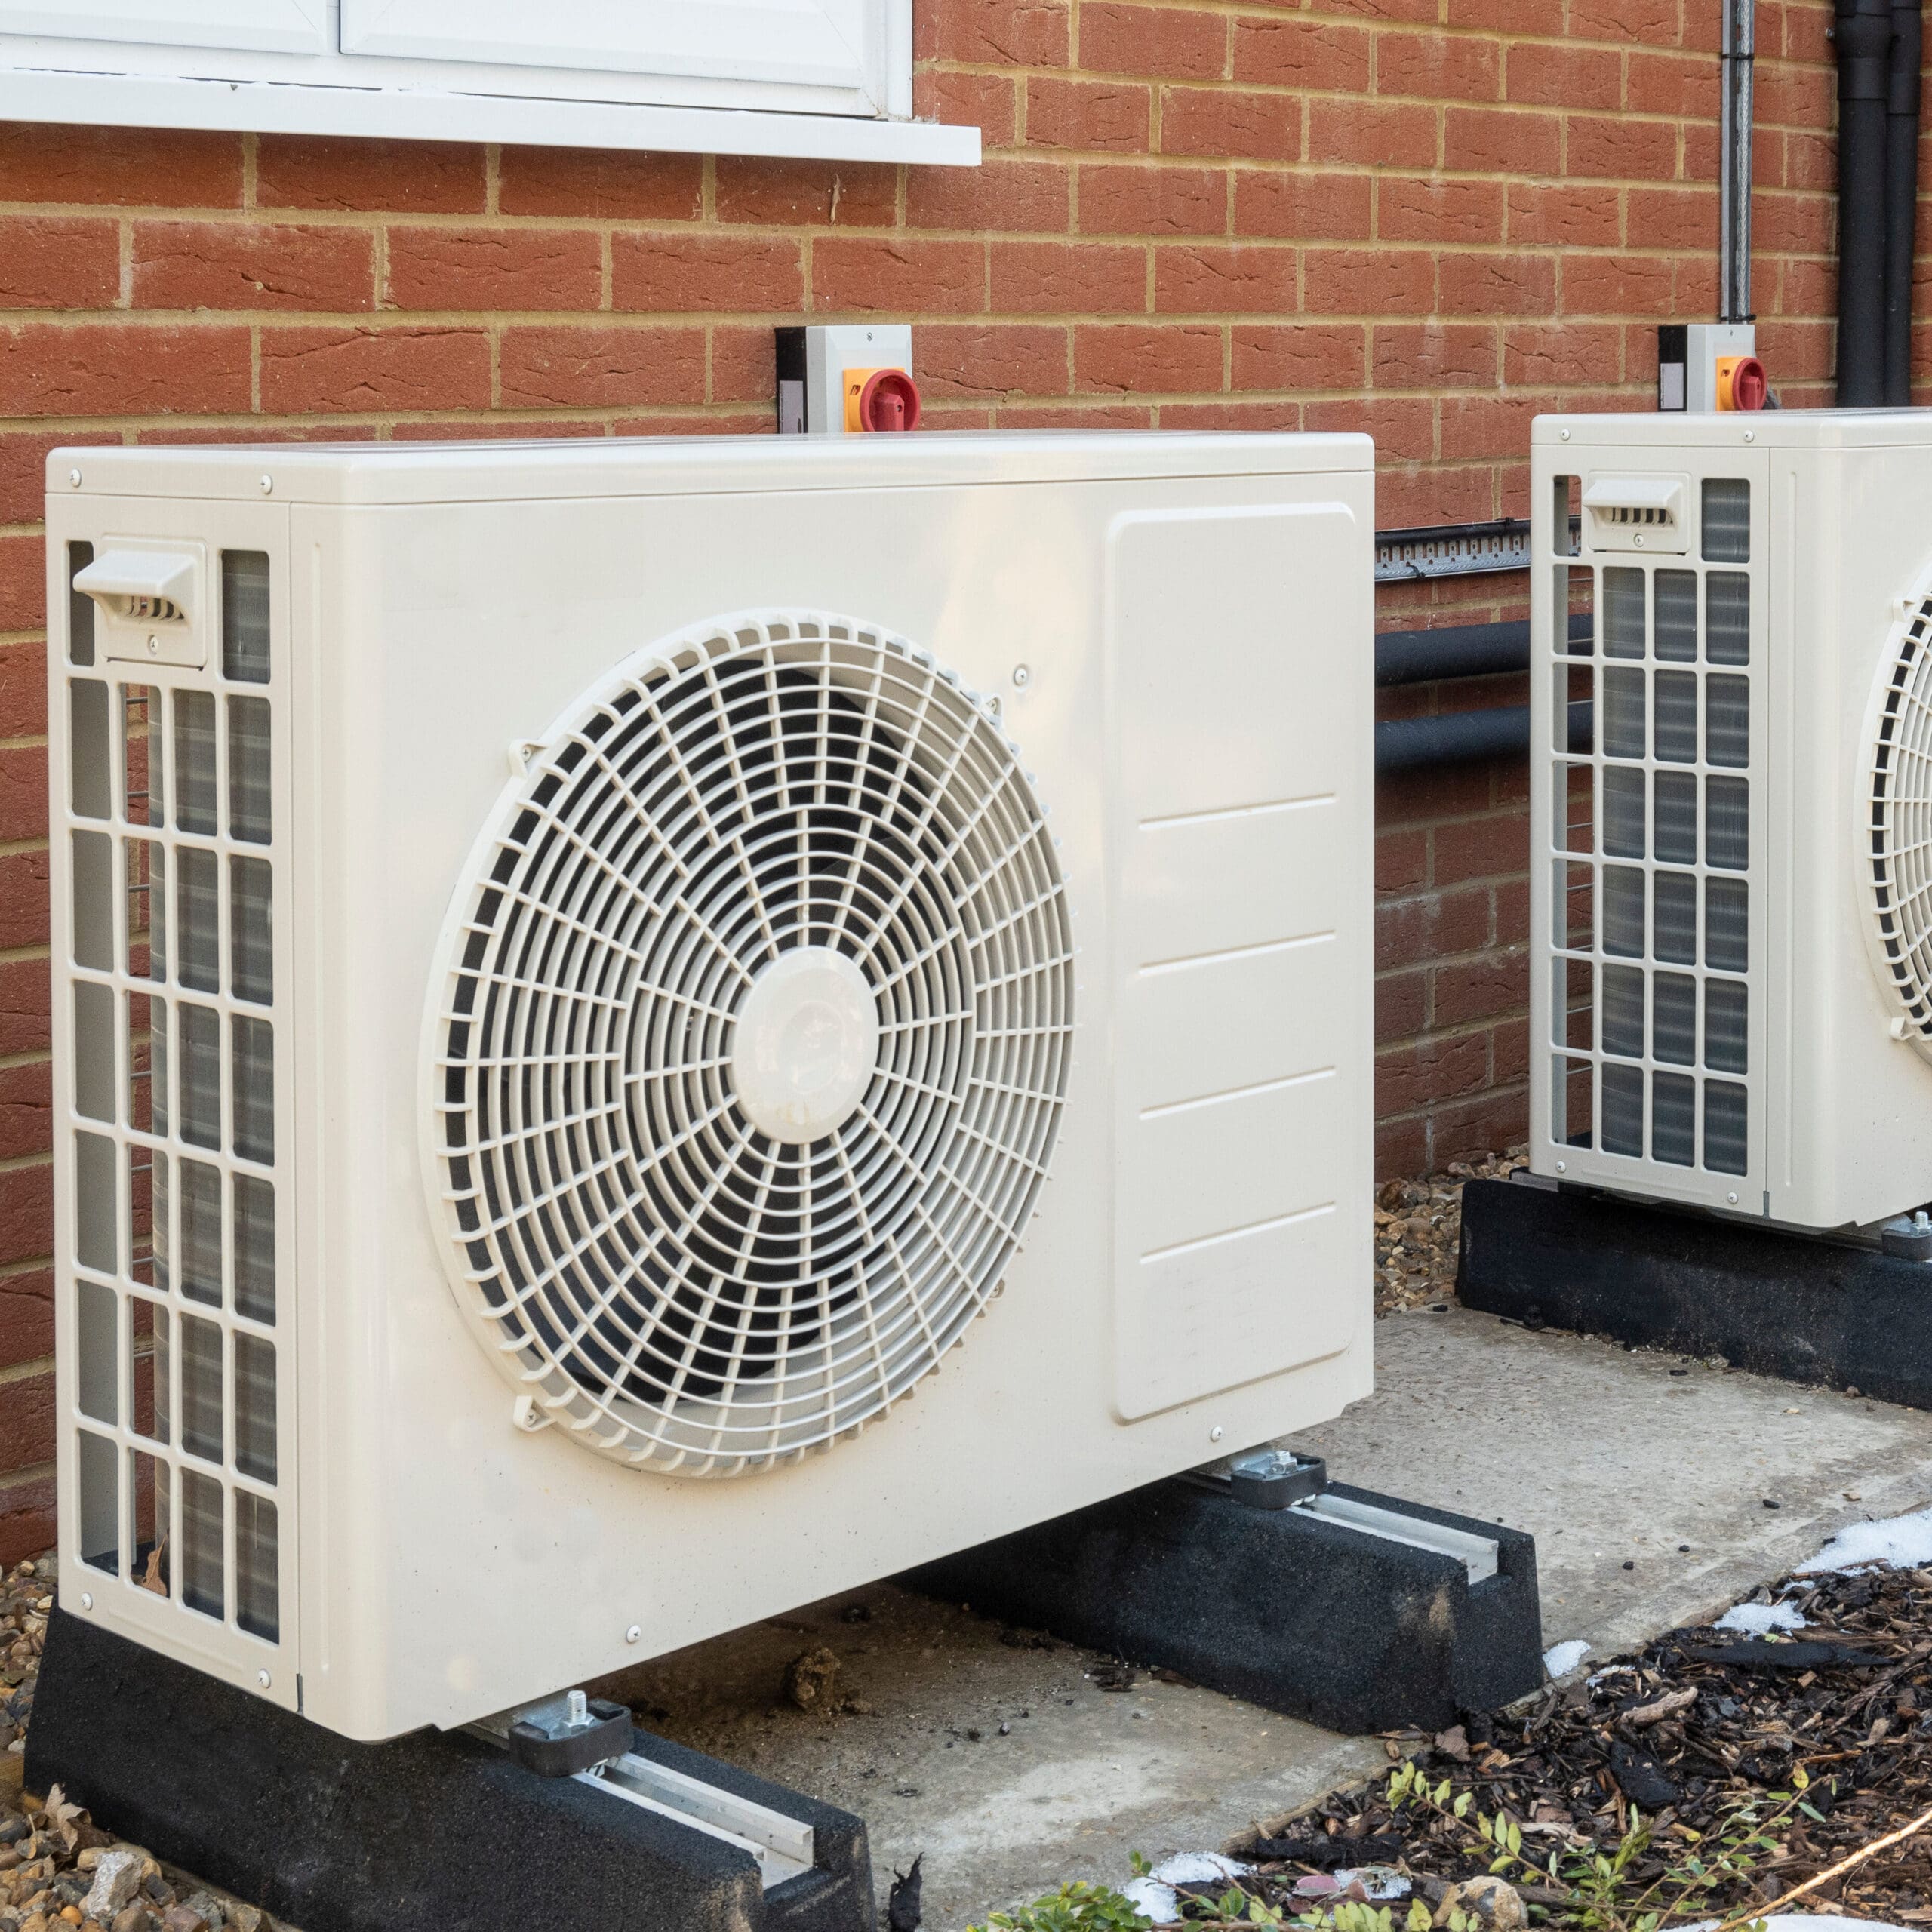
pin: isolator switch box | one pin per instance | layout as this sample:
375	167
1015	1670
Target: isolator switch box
845	381
1706	367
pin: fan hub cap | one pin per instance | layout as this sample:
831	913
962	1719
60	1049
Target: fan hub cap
804	1045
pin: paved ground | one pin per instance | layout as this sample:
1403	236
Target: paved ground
1608	1457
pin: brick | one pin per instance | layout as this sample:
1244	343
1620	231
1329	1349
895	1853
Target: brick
1146	359
251	265
494	268
1152	199
1470	990
1410	10
1485	140
798	194
1298	356
599	366
1683	84
27	1413
1409	931
119	166
1401	1148
1481	847
1467	1130
22	705
1406	498
326	370
111	368
1796	224
484	427
1434	354
1074	416
1401	1005
1218	418
988	102
1623	149
726	274
1403	427
1619	284
26	1317
1438	66
23	470
1291	206
26	1111
1402	863
1007	197
896	274
58	262
1368	281
990	362
599	184
23	591
1640	22
1424	1072
1564	214
1407	209
1546	354
1102	116
333	171
999	33
1118	39
1549	74
24	899
27	1234
743	363
1049	277
1498	284
1208	280
1300	52
1240	123
1368	133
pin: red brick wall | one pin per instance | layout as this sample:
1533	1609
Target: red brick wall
1426	219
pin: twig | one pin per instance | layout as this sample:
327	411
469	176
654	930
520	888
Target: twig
1838	1871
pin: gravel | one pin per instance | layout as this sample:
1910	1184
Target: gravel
1419	1227
58	1870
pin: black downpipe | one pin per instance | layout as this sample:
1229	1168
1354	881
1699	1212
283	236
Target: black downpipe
1901	195
1863	36
1455	737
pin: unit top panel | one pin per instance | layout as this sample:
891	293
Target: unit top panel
374	473
1765	429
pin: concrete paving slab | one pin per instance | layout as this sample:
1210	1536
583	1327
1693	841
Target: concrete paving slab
1608	1457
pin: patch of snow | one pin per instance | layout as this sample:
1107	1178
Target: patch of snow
1197	1868
1380	1884
1902	1543
1152	1900
1800	1921
1759	1620
1560	1658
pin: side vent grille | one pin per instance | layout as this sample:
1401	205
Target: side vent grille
179	1323
1653	871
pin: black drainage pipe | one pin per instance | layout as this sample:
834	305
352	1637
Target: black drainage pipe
1460	651
1458	737
1901	195
1862	34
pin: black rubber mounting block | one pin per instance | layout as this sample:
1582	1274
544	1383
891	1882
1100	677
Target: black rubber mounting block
1777	1303
1289	1610
435	1830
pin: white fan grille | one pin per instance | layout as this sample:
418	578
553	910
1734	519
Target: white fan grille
666	1281
1899	825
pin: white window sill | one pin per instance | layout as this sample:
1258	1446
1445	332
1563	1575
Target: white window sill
143	100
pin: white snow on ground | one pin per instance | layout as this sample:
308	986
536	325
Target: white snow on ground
1197	1868
1759	1620
1152	1899
1902	1543
1560	1658
1800	1921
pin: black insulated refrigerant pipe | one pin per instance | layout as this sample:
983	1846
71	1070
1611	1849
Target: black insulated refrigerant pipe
1862	34
1901	195
1458	737
1460	651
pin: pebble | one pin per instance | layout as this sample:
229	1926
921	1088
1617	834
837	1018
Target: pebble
1418	1232
130	1918
812	1680
117	1878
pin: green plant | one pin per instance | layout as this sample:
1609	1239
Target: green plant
1076	1907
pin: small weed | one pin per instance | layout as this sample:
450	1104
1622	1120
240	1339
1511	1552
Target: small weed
1077	1907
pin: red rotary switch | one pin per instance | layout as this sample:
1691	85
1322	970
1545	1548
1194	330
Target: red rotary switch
889	401
1741	383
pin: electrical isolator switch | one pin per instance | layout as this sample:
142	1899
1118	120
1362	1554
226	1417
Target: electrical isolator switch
1740	383
881	399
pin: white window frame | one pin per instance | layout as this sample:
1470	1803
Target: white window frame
824	79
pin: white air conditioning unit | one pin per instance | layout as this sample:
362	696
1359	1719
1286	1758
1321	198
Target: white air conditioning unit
1731	885
586	969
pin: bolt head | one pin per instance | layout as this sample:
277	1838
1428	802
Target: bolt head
154	647
1732	1199
1750	435
268	485
1563	435
1214	1434
1022	677
263	1679
633	1635
1563	1167
87	1599
73	479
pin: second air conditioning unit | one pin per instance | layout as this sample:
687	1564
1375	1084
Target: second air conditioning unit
1731	811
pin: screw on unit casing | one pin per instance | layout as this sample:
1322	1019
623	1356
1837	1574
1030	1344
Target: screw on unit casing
87	1599
632	1634
73	479
268	484
1214	1434
263	1679
1022	677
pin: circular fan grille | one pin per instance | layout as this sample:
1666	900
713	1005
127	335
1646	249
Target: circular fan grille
750	1052
1899	826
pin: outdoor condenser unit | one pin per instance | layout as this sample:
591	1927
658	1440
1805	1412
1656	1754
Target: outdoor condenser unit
584	969
1731	810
